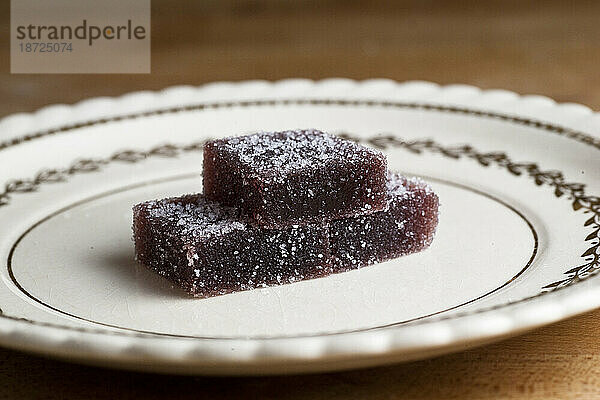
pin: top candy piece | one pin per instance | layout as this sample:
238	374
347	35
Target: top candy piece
294	177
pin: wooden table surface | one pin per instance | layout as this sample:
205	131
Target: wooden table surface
550	48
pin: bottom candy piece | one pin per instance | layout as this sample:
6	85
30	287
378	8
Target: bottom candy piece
209	250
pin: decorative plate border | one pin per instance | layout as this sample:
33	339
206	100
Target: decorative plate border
381	141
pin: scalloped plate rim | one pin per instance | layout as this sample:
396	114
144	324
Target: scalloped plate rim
370	348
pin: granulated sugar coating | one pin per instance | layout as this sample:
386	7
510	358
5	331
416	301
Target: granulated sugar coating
207	250
407	226
294	177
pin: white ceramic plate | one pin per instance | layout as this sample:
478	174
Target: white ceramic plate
517	244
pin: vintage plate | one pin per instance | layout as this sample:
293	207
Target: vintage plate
517	245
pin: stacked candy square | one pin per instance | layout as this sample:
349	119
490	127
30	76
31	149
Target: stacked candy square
282	207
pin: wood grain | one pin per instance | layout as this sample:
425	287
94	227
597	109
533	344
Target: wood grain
550	48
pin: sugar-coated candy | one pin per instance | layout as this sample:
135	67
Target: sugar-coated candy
279	179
